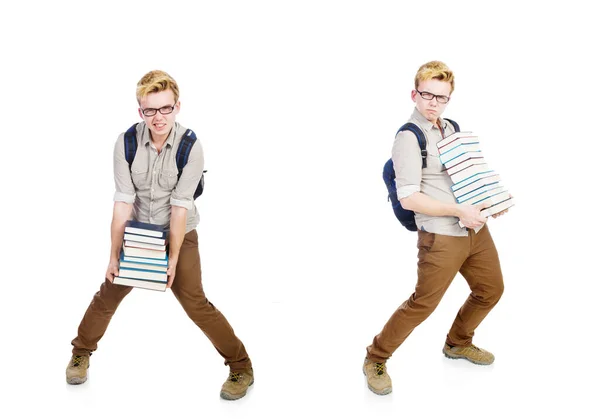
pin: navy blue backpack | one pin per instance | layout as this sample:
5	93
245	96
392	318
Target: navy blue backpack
406	217
181	158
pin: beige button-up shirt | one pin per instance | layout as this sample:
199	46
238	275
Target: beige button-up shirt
151	185
432	180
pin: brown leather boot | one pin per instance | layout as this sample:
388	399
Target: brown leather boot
470	353
236	385
77	369
378	380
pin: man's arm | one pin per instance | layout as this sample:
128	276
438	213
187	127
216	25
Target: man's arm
469	215
176	235
121	213
123	207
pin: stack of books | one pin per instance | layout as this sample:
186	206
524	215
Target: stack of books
473	181
144	258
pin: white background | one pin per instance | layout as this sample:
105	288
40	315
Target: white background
296	105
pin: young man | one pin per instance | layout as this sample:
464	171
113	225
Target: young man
444	247
150	192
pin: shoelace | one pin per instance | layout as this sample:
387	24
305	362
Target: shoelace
77	360
379	368
235	376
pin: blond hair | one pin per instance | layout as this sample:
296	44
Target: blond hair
435	70
154	82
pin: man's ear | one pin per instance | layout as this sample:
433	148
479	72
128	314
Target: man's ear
413	95
140	113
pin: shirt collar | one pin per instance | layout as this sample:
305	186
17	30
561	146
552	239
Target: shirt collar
425	123
146	134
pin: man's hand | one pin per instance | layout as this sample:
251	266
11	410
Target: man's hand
112	270
470	215
171	271
500	213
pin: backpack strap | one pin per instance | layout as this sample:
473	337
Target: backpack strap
181	158
183	151
454	124
409	126
130	142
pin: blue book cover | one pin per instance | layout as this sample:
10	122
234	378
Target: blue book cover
145	229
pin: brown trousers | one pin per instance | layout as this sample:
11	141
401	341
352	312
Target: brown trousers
440	259
187	288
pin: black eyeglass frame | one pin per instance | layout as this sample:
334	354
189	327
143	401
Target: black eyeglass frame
165	110
443	101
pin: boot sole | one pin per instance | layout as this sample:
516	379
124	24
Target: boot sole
383	392
228	396
452	356
76	380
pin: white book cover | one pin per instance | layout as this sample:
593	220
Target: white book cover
494	209
164	261
483	195
477	182
143	274
463	165
143	253
494	199
479	192
449	161
498	207
140	283
460	137
448	153
147	266
456	149
143	239
143	232
141	245
469	173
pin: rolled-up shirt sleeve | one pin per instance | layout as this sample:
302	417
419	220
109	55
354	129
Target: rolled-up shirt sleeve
406	156
183	194
124	189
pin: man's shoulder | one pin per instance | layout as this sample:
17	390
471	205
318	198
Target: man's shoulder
405	133
181	132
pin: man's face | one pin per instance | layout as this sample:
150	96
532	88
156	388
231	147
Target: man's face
432	108
160	124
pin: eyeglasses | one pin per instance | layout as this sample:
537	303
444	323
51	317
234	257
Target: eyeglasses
429	96
165	110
